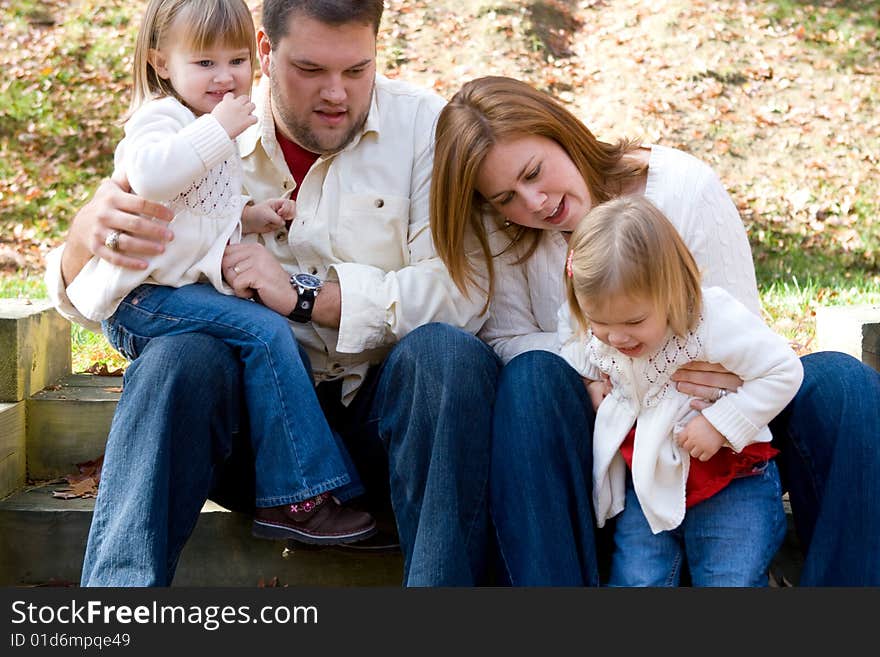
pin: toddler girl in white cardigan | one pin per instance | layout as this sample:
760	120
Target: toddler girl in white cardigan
192	78
691	485
187	108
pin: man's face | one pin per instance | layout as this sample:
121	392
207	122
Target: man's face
322	79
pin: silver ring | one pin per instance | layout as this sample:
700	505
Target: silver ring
721	393
236	269
112	240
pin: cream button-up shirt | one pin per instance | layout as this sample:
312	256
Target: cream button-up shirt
362	219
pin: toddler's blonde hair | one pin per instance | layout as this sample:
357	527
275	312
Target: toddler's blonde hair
208	22
628	246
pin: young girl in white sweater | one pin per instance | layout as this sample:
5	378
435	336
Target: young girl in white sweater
685	484
192	80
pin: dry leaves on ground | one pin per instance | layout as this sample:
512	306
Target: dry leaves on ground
84	483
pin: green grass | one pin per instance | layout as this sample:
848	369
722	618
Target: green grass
845	29
88	349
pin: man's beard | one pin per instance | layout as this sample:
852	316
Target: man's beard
302	133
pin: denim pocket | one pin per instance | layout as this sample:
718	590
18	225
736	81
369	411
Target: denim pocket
124	341
118	338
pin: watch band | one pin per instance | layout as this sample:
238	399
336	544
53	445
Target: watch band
306	292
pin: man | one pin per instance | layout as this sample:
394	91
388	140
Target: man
389	338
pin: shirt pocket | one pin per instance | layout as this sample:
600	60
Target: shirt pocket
372	229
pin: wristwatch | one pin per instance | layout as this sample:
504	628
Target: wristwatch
307	287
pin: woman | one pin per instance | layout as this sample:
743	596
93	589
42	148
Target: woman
514	172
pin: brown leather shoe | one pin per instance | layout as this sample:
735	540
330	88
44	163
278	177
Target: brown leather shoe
320	520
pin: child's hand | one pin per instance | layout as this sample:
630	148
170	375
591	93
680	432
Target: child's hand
267	216
235	114
700	439
598	390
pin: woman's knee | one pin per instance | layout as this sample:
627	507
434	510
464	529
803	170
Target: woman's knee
541	407
540	375
451	354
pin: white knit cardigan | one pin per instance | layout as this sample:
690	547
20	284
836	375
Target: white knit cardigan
727	333
190	165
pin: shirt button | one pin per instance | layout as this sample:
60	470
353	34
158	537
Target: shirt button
379	202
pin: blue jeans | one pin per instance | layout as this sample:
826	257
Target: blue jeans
297	455
179	436
419	430
542	468
829	436
541	474
727	540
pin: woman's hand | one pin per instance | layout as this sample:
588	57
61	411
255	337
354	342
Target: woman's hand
142	228
709	381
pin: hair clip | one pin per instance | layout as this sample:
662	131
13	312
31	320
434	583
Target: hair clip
568	265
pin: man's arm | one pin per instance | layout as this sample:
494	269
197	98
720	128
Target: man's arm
143	227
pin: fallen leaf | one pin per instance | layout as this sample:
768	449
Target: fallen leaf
100	369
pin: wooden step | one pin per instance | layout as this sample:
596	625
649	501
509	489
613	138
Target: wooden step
34	347
42	540
12	447
68	423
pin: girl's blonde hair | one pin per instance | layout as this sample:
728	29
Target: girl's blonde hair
483	112
628	246
208	22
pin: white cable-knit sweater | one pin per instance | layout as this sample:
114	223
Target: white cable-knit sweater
190	165
528	295
728	333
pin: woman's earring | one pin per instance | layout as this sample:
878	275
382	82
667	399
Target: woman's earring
507	223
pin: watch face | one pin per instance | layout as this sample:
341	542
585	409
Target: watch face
308	281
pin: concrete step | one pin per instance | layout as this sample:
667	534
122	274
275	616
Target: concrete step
68	423
42	540
854	330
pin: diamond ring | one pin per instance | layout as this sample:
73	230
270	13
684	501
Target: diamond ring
112	240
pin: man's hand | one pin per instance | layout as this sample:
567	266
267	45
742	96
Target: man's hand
250	269
267	216
142	225
705	381
700	439
235	114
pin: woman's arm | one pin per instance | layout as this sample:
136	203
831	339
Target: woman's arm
770	370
